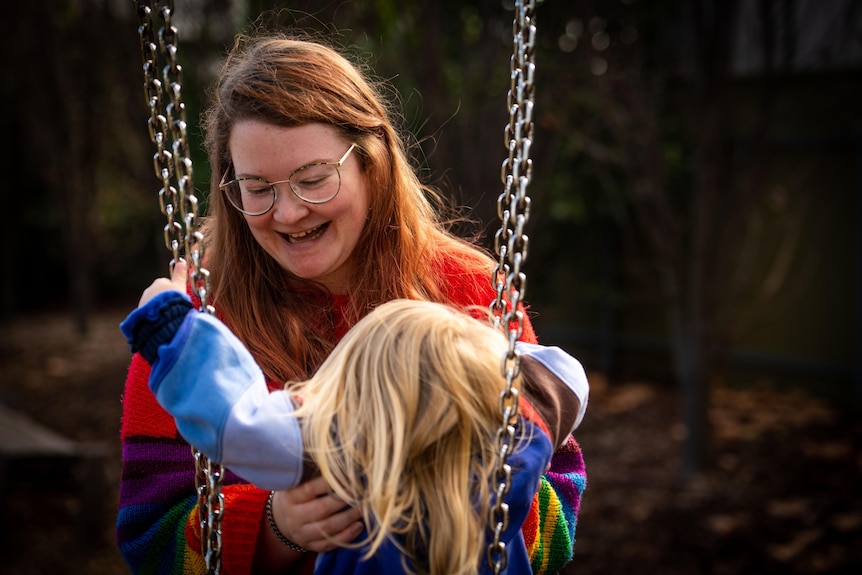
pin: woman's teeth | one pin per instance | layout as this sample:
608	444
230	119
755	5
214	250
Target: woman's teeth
306	235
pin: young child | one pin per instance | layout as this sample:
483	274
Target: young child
400	420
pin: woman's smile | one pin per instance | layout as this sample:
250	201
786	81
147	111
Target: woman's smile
307	235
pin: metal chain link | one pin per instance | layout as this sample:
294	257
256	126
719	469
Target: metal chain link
510	243
168	130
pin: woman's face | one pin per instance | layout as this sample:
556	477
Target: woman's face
311	241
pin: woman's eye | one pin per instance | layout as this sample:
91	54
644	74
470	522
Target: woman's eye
314	176
310	183
256	190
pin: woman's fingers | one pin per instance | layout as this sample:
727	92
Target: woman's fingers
336	530
308	491
177	282
180	275
312	517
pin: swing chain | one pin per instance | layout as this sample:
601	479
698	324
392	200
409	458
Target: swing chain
172	162
510	243
208	482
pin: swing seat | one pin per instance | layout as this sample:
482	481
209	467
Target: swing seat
35	457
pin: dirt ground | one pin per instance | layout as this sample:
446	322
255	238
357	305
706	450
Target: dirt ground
782	495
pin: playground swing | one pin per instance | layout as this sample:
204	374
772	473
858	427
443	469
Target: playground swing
173	167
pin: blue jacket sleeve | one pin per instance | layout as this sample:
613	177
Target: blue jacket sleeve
209	382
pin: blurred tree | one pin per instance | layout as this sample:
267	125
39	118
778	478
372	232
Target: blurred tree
57	102
683	158
657	117
81	186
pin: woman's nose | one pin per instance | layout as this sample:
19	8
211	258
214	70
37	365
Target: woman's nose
287	207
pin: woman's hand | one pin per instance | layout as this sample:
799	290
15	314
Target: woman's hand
312	517
177	282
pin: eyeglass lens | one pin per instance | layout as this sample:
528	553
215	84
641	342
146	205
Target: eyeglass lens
315	184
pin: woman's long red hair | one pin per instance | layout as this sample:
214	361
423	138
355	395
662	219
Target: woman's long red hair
287	323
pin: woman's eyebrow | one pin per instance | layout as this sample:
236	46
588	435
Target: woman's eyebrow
239	175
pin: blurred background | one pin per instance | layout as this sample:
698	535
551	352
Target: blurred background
695	240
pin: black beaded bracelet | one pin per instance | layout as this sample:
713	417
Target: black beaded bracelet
271	520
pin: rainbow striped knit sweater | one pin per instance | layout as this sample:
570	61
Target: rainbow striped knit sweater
157	524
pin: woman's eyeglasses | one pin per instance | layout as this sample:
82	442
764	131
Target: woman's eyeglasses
315	183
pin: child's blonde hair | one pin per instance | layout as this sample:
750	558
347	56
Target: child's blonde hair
401	421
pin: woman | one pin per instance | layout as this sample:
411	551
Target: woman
298	255
400	420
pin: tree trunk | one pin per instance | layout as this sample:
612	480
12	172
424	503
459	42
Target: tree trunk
690	367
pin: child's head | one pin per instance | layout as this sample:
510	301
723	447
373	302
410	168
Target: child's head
401	420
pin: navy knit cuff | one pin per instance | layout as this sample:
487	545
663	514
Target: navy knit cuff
158	325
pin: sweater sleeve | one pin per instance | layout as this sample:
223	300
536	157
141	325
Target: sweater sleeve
554	396
157	528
